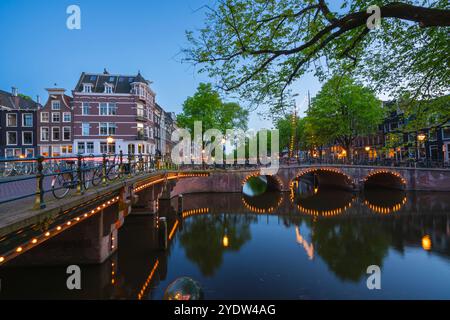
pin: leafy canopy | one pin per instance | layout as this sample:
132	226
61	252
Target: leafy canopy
258	48
207	106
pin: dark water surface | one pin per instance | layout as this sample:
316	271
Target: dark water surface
303	245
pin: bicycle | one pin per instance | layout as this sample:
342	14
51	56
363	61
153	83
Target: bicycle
113	172
67	179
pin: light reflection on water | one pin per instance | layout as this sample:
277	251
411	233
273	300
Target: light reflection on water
272	246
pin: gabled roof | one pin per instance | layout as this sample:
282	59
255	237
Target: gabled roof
120	83
9	101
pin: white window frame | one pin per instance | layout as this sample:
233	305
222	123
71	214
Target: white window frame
53	129
70	117
88	127
84	147
23	120
87	87
88	106
59	117
70	132
7	138
108	126
7	120
48	133
48	117
108	88
23	138
32	152
56	102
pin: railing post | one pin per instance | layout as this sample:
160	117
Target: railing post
141	163
39	198
121	163
104	180
80	176
129	165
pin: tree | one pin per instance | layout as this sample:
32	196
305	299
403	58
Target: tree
343	110
258	48
207	106
284	125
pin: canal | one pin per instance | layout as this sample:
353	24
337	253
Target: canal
307	244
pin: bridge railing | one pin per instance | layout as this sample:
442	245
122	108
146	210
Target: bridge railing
22	178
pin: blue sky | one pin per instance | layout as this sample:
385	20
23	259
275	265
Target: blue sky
123	36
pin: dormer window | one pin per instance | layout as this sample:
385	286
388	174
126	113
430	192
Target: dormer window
56	105
108	88
87	87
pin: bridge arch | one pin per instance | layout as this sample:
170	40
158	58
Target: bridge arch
274	183
325	177
384	178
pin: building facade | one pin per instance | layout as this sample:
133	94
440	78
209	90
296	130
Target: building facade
113	113
54	125
17	125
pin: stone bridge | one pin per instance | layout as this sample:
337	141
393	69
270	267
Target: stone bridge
87	224
344	176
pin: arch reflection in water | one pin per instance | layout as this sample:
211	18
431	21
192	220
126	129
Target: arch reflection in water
380	201
265	203
323	201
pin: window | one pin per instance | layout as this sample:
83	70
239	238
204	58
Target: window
27	120
446	133
55	134
66	133
107	147
27	137
93	78
140	110
13	153
11	138
66	149
56	105
56	117
108	88
56	151
67	117
107	128
44	117
29	152
44	151
81	148
44	134
109	109
87	87
85	108
103	109
90	147
11	119
85	128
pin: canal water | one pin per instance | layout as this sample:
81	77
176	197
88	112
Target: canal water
307	244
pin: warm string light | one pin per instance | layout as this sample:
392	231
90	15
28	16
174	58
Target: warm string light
188	213
172	232
384	171
147	281
325	213
55	231
170	177
261	210
385	210
312	170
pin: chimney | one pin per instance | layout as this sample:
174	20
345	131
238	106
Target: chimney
15	91
38	99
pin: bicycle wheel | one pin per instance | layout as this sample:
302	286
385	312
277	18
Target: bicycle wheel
97	176
60	186
113	172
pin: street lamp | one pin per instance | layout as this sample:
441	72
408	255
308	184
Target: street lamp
421	137
367	148
109	141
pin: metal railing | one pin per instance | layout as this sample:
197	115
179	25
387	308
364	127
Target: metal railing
60	176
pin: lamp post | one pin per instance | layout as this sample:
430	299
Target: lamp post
420	139
109	141
367	148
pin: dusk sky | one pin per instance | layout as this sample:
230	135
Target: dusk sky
38	50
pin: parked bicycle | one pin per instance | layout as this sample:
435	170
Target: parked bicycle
66	178
113	171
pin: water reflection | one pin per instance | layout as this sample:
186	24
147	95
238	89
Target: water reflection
206	238
271	246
